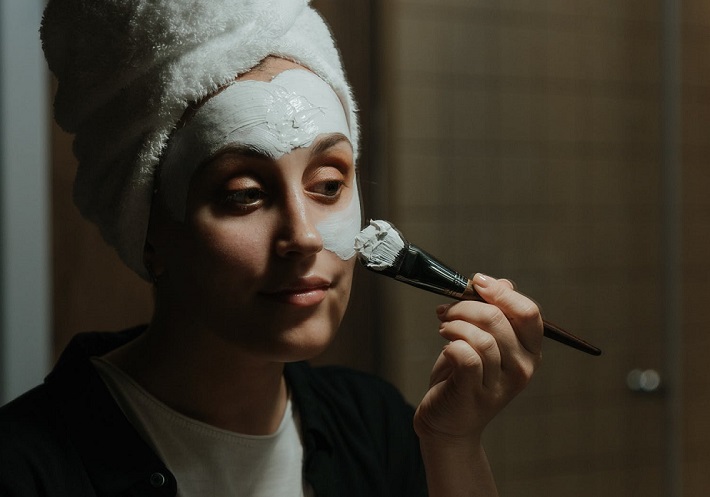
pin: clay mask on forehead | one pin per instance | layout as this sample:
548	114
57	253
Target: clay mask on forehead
272	118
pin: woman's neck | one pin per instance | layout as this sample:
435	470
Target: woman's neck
202	377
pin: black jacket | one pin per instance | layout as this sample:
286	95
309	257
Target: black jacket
68	438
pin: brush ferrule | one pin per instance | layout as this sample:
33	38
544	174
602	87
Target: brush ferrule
418	268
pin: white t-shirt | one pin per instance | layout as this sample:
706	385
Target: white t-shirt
209	461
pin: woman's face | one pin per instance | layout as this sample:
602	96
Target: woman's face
255	259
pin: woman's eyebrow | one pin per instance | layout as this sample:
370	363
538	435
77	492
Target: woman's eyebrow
245	150
215	164
327	142
249	151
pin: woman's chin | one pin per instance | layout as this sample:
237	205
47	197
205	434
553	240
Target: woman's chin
302	350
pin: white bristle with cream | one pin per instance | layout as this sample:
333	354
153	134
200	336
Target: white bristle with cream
379	245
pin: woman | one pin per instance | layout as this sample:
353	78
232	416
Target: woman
217	144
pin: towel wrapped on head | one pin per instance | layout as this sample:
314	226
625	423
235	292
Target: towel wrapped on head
128	69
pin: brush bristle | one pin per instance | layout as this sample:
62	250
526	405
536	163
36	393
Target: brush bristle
379	245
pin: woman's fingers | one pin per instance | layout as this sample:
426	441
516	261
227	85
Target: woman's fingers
508	282
505	330
472	352
522	313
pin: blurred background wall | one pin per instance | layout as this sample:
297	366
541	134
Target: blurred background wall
563	144
559	143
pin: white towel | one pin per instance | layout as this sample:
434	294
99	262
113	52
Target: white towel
128	69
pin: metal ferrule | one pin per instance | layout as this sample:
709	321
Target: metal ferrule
420	269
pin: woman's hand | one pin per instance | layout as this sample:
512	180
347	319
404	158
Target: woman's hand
495	346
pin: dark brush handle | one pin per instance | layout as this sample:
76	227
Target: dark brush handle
551	331
559	335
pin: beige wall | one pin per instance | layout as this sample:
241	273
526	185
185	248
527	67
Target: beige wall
524	141
696	246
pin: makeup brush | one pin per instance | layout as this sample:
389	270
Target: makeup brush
383	249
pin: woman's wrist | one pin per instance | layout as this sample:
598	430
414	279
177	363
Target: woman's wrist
457	467
450	443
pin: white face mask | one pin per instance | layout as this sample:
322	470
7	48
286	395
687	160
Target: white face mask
273	118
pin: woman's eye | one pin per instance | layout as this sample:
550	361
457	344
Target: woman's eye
244	199
331	189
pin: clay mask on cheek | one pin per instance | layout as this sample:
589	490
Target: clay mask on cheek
272	118
338	231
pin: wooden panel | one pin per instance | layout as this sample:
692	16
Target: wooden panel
532	152
696	243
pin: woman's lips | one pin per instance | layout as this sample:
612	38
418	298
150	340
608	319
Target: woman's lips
303	293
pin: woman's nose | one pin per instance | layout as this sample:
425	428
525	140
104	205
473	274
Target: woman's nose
298	236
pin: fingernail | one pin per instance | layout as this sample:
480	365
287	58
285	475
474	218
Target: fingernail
441	309
480	279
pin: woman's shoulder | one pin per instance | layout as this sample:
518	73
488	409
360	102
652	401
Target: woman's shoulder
33	451
27	416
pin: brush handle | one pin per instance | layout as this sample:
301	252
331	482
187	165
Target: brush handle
418	268
558	334
550	330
